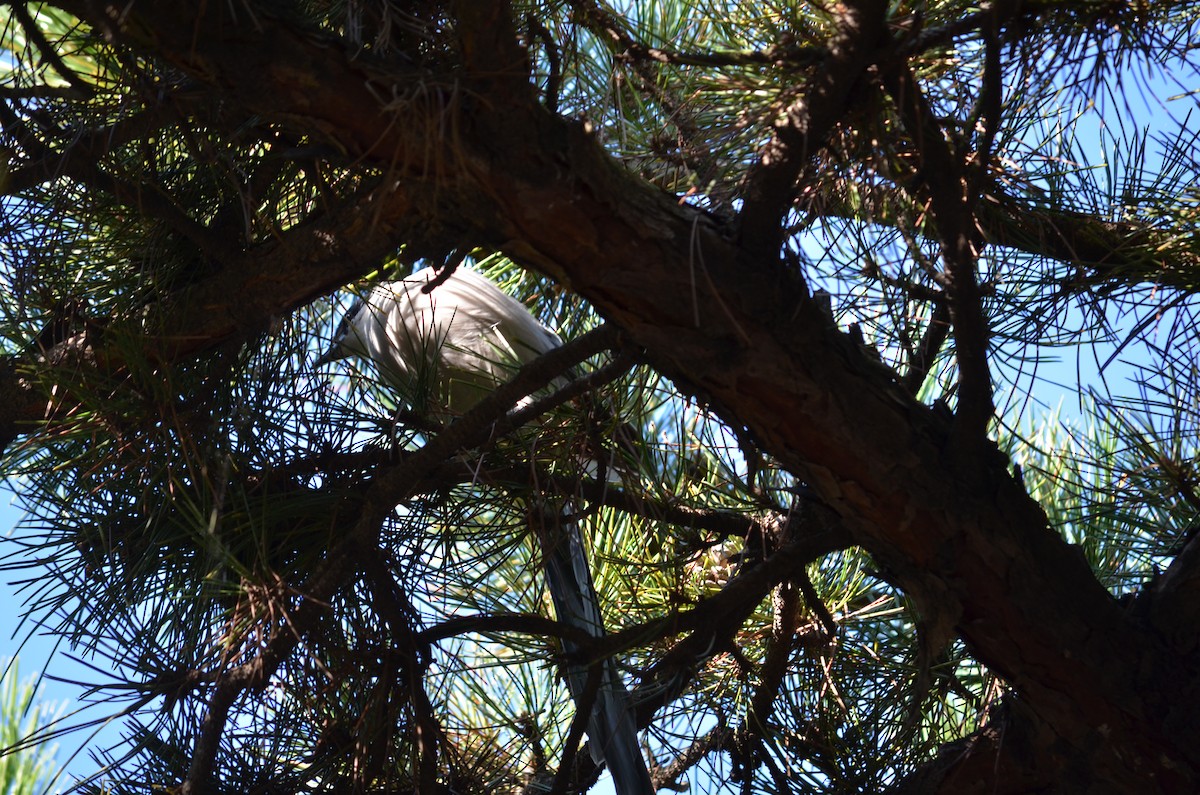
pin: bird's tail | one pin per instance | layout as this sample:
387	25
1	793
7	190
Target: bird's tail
611	728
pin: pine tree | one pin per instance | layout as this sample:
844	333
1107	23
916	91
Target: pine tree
812	261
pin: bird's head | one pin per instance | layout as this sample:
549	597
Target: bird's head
347	340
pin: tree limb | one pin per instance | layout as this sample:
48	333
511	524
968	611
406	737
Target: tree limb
948	187
805	124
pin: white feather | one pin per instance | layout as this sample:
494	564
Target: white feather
460	338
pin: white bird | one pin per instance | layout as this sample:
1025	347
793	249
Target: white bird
461	338
455	342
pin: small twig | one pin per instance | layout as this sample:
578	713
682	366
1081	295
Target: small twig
945	34
606	338
915	290
923	358
520	623
816	604
712	740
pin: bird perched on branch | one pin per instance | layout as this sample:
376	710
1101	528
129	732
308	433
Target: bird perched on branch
457	338
454	339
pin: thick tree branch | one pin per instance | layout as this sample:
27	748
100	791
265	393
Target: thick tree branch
805	124
1172	600
491	55
999	759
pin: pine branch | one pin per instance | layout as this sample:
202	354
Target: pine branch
945	177
48	53
804	126
416	657
352	547
785	609
714	620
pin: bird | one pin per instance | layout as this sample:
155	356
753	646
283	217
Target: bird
456	338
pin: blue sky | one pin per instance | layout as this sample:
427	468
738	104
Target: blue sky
43	655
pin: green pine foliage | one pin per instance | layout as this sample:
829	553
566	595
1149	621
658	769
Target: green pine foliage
28	764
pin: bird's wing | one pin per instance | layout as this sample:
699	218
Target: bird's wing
473	333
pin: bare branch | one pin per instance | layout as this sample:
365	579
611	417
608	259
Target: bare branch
399	613
786	604
945	177
714	740
805	124
986	119
714	620
927	350
583	708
